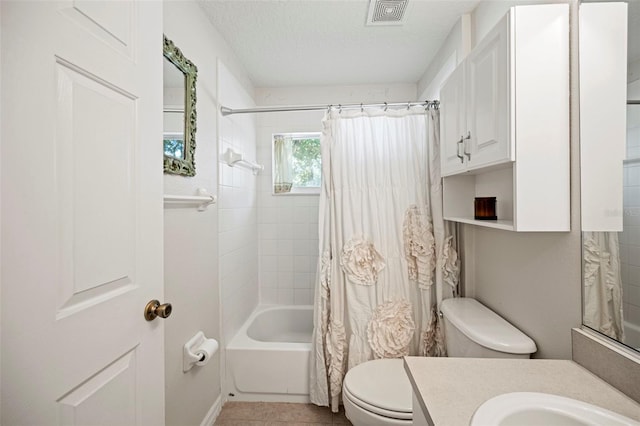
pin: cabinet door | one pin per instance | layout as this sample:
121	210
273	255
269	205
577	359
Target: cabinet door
452	123
487	139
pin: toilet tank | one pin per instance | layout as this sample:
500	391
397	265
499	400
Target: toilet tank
474	331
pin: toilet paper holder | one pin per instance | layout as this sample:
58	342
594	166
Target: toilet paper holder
197	351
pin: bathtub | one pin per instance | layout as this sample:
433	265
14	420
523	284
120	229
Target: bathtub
268	359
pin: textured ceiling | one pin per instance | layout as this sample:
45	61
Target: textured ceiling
326	42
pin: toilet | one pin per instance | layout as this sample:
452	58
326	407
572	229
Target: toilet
378	392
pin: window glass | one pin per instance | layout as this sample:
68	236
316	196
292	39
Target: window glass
297	166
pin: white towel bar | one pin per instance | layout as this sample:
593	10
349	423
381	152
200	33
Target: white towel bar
203	200
232	158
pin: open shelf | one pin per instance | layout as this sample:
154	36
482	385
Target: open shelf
506	225
460	191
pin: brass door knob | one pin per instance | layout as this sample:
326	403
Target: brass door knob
155	309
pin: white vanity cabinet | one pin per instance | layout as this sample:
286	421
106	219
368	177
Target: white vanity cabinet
505	124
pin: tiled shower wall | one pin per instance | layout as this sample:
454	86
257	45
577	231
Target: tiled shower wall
287	224
237	209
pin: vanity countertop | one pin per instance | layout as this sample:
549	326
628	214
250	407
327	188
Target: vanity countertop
451	389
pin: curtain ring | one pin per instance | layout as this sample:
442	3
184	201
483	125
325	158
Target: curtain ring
386	105
329	108
339	108
361	107
408	105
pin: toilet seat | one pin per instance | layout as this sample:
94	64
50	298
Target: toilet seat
399	415
380	387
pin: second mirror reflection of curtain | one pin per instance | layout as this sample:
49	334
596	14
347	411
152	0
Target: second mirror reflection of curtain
283	156
603	284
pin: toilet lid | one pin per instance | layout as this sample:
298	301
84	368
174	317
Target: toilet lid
381	383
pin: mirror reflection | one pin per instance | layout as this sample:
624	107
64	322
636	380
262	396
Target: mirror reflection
179	114
611	260
173	113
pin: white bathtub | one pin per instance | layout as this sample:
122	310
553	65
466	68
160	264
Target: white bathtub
268	359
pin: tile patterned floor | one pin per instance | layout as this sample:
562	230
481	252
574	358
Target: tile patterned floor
278	413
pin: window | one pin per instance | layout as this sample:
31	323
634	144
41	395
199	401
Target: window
297	167
174	146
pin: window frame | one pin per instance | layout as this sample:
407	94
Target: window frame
295	190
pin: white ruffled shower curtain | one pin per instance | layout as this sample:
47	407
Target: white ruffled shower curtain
603	284
386	256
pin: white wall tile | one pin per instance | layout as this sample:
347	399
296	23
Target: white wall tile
632	313
266	199
269	264
285	263
301	264
632	295
269	231
313	231
269	296
304	280
303	297
632	235
226	173
312	214
285	231
268	215
285	215
633	255
300	231
268	247
285	279
303	247
285	247
285	296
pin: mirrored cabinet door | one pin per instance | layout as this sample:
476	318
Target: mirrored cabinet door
610	168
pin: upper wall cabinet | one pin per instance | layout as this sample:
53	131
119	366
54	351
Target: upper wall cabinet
475	107
505	124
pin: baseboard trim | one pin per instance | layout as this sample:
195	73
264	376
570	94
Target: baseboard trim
213	413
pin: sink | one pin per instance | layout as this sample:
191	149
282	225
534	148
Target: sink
535	409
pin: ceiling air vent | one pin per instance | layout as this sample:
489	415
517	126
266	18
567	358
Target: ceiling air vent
387	12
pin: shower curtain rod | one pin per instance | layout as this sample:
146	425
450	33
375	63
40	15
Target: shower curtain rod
633	102
228	111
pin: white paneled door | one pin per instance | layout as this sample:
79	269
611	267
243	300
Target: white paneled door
81	167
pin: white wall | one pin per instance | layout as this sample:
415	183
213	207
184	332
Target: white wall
454	49
531	279
288	224
191	237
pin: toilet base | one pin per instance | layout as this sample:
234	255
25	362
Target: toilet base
361	417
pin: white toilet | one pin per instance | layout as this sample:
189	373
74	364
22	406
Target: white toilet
379	393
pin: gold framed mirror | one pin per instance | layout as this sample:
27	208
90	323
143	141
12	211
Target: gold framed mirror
179	113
